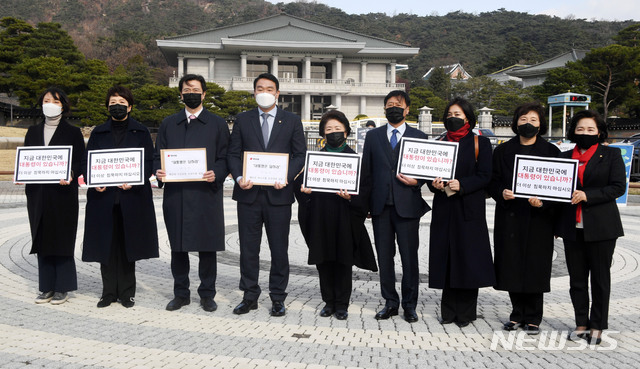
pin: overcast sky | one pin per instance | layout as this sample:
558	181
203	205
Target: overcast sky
587	9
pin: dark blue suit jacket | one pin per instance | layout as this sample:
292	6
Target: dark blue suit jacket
287	136
379	164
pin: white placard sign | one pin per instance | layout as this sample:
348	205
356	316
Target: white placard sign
332	172
184	165
42	164
114	167
551	179
427	159
265	168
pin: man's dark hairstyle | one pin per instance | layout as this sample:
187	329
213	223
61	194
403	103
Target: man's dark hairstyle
268	76
192	77
401	96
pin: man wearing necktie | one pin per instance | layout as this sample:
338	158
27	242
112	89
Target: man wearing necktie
193	211
396	206
265	129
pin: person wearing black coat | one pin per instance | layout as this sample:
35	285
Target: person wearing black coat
590	225
193	211
333	226
459	249
53	208
120	222
523	228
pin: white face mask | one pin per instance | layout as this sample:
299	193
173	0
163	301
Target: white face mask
265	100
51	110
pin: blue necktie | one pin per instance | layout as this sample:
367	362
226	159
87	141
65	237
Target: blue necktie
265	129
394	140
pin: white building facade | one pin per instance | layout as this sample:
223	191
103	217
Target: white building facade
317	65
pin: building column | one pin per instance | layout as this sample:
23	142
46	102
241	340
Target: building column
180	66
337	101
274	65
212	60
243	65
306	107
307	67
363	105
337	71
392	70
363	71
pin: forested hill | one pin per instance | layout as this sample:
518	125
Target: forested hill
116	30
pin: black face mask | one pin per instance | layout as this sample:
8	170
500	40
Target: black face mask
335	139
585	141
394	115
192	100
453	124
527	130
118	111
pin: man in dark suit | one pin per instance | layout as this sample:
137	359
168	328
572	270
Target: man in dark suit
265	129
396	206
193	211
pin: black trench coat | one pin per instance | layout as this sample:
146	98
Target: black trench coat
193	211
52	208
459	242
523	235
136	204
333	227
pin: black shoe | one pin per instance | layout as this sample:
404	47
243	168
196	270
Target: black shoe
463	323
245	306
278	309
208	304
386	313
105	301
511	326
128	302
341	315
326	311
593	341
410	315
177	303
445	321
531	329
578	335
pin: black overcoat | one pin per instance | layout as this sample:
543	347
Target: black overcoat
522	234
193	211
605	180
459	244
333	227
136	204
52	208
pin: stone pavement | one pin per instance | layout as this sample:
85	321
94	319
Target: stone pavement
79	335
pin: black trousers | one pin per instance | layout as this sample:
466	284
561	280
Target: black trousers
276	220
527	307
57	273
207	271
387	227
459	304
335	284
593	259
119	274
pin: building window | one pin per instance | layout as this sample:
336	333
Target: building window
321	71
255	68
289	71
318	105
291	103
